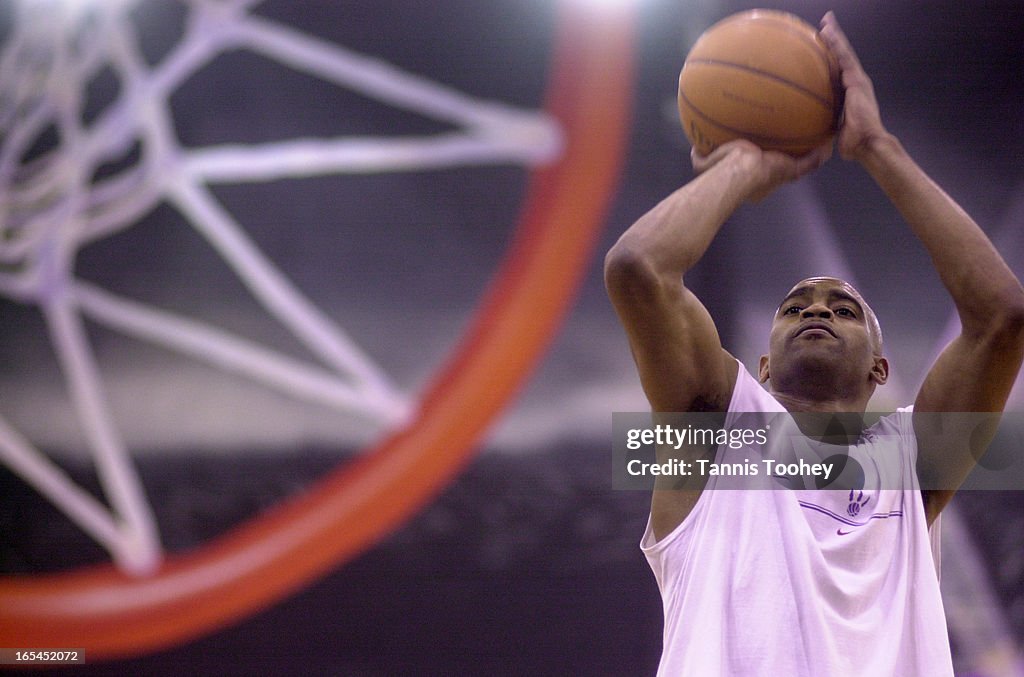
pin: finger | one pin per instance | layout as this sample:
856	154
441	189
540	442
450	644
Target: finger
786	168
852	74
699	162
702	163
838	43
814	159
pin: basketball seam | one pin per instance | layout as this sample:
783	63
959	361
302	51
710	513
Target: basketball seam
750	135
825	103
820	50
786	24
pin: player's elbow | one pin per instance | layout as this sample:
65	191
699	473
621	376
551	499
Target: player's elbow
1006	323
1014	321
629	273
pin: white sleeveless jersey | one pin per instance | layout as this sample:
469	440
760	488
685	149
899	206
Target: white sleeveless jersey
804	582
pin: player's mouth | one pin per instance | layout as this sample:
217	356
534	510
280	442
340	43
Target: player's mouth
815	329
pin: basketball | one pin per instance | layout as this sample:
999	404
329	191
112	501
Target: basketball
761	75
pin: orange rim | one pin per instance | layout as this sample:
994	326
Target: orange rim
110	614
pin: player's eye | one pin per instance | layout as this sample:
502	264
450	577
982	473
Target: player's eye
846	312
790	310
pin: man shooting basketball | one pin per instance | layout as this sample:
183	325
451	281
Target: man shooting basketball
801	582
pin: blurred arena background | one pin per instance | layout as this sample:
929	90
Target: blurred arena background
528	561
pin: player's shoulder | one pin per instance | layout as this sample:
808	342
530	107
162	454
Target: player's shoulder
747	394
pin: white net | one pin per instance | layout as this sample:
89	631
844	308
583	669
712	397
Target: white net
54	200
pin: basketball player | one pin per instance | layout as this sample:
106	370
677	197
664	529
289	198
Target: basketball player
810	582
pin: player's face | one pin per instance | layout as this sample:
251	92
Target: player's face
823	323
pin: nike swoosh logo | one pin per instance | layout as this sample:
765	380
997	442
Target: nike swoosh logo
840	532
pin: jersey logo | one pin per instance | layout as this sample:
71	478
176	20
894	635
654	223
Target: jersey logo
856	503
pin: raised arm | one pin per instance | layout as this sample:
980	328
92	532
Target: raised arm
977	369
674	341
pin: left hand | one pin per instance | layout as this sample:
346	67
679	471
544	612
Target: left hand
862	122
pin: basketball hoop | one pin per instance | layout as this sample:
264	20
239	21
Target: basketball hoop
112	612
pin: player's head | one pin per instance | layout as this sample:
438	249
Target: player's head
825	337
838	290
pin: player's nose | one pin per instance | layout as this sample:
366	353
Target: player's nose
816	310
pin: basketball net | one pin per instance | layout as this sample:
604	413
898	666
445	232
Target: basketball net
54	201
51	206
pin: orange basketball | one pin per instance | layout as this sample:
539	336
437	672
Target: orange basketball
761	75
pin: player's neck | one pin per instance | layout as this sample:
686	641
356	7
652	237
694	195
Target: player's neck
802	402
828	388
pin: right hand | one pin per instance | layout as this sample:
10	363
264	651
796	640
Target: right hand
769	169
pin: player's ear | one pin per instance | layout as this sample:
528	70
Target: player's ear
879	370
762	369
